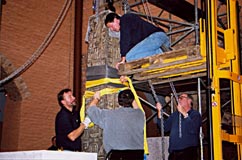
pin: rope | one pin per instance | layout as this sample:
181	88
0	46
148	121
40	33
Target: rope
162	120
42	47
70	50
175	94
126	6
147	10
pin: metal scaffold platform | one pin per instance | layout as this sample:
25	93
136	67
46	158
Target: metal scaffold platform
213	60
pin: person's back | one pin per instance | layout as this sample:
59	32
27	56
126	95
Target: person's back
123	128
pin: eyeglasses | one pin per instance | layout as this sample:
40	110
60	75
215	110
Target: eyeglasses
181	97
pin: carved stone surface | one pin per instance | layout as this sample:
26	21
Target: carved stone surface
102	50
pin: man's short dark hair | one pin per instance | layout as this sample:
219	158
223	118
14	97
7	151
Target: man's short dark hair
60	95
110	18
125	98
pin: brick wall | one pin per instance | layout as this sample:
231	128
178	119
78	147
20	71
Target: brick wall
29	123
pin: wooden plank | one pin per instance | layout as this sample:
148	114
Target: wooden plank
182	83
165	59
174	71
158	80
171	64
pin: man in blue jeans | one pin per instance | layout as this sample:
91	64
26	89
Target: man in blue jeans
138	38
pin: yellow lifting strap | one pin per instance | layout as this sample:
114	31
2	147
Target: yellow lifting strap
105	91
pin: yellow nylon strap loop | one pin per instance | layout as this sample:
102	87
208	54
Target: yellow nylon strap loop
146	149
105	91
135	94
98	82
89	94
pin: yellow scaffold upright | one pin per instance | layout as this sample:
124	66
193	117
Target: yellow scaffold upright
224	64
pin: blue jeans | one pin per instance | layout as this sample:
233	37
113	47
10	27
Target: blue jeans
149	46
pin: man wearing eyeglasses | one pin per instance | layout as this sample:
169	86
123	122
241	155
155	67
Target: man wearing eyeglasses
183	125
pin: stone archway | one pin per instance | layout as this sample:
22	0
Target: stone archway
16	89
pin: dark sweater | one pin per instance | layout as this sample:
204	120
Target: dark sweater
190	127
133	29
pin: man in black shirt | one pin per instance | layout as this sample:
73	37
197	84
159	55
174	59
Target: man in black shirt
68	127
138	38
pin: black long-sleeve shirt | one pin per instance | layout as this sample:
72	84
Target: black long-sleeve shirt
134	29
